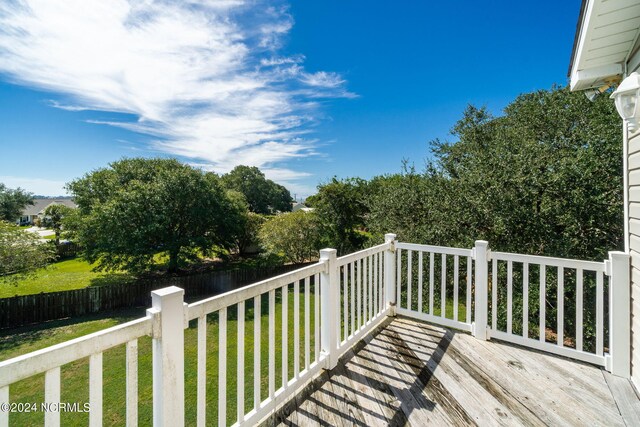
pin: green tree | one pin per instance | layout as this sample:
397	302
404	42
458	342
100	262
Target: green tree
248	239
137	208
53	217
21	253
294	235
545	178
263	195
12	202
341	208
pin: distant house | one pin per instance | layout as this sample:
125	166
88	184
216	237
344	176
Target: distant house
35	211
300	207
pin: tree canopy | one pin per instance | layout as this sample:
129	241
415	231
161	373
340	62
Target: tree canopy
293	235
21	253
341	208
12	202
53	217
137	208
544	178
263	195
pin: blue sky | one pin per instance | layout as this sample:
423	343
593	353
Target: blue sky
304	90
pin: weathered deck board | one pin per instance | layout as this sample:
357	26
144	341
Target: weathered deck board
626	398
412	373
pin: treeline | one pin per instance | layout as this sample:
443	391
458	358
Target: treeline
544	178
136	211
140	214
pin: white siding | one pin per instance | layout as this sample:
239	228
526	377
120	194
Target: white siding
634	247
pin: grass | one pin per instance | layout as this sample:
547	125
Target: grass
64	275
75	379
50	237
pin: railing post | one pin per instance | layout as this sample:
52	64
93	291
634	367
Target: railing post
619	314
390	274
482	273
168	356
329	303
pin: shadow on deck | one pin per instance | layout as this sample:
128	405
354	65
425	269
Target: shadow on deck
411	373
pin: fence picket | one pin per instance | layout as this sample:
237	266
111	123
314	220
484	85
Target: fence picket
560	307
370	287
494	294
468	316
353	297
222	367
431	282
456	266
599	314
420	290
543	299
525	300
307	323
240	366
345	303
132	383
52	396
285	337
4	399
257	326
399	278
296	329
579	309
376	302
359	293
316	318
509	297
409	278
443	285
202	372
95	389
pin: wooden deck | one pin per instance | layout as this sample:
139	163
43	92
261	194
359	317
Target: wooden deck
411	373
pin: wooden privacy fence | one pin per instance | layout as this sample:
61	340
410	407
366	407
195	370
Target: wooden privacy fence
29	309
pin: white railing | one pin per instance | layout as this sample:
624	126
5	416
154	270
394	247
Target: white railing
308	278
363	303
568	278
331	305
441	284
430	280
50	359
545	284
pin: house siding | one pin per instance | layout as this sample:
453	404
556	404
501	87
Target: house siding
633	176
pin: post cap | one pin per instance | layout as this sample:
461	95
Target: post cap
328	253
389	237
169	290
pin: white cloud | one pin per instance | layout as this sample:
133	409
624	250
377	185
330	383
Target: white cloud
204	78
40	187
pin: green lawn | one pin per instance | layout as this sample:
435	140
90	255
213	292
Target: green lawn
62	276
75	381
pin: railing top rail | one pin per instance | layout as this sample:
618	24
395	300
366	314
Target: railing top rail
346	259
550	261
213	304
40	361
436	249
